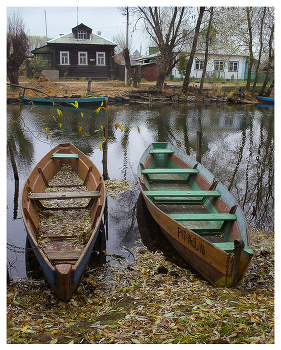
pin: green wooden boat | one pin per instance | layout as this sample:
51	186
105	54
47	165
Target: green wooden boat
66	101
196	212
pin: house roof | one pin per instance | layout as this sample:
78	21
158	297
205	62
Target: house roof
69	39
41	50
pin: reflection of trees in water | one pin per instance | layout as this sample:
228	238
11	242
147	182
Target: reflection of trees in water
253	183
21	142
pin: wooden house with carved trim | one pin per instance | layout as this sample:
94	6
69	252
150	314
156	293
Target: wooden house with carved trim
79	54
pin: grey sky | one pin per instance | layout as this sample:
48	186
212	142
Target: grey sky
60	20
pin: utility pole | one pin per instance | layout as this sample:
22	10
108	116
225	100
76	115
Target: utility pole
46	24
127	39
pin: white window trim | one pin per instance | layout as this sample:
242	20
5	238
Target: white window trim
79	62
64	64
97	61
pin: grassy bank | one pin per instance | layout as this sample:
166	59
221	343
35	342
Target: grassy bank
155	299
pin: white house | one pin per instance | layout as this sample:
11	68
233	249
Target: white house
219	66
222	66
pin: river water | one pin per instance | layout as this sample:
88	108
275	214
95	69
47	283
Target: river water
237	147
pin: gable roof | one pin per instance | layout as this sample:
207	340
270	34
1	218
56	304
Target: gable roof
82	26
69	39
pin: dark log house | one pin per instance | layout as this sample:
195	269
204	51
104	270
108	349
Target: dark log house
79	54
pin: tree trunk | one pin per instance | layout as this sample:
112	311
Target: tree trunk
192	53
268	92
270	60
206	53
132	75
260	53
14	77
250	49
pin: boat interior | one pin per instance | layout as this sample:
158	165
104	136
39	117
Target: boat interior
181	192
62	201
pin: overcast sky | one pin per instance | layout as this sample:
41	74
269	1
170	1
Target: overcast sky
60	20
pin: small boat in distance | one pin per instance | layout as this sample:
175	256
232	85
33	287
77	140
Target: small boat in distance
197	214
75	100
62	204
265	100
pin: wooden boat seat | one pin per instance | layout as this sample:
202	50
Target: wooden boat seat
37	197
204	217
64	256
182	193
161	151
65	155
226	246
170	171
63	195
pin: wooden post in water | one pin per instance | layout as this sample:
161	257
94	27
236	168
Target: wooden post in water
198	146
16	175
104	159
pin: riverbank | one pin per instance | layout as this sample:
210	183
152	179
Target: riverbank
145	92
156	298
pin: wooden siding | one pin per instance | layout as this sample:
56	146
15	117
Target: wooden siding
91	70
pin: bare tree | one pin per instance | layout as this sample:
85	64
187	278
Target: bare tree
164	26
206	51
193	49
17	47
249	13
269	68
132	74
260	50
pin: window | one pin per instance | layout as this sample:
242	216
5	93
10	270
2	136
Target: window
64	57
100	58
199	64
233	66
82	58
82	34
219	65
44	59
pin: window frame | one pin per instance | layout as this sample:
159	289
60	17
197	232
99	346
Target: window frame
82	33
61	58
79	58
233	62
98	58
219	62
200	62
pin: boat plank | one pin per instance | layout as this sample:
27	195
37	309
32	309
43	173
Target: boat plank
63	195
68	255
161	151
65	155
226	246
182	193
203	217
170	171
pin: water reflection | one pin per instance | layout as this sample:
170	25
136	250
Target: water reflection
238	148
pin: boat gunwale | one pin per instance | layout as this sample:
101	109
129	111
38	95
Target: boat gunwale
226	196
40	254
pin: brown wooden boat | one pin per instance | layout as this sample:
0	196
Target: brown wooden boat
196	212
63	219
